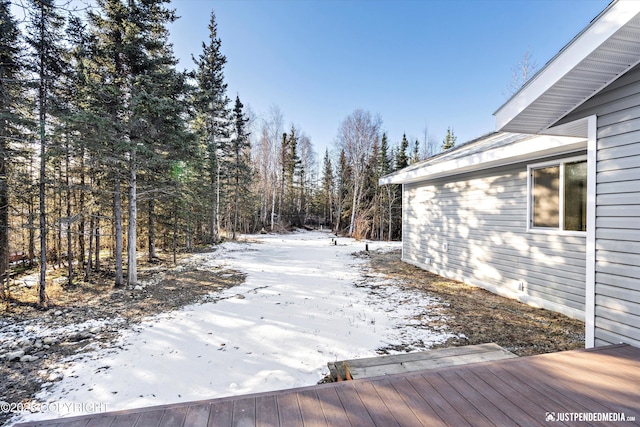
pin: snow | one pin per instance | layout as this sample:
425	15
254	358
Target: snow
305	302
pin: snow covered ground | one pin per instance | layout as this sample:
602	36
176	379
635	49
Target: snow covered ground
305	302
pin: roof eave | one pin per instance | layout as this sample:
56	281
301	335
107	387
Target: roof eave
529	112
529	149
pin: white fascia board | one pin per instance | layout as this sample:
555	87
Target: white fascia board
580	48
532	148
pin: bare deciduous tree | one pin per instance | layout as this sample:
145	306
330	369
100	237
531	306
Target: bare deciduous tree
356	136
522	72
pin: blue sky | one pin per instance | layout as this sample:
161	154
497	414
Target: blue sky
416	63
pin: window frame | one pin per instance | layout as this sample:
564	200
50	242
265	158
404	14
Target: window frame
551	230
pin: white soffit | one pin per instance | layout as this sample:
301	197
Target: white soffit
529	149
602	52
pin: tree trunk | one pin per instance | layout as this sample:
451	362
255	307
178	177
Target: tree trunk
91	238
42	295
152	229
236	202
4	218
57	236
69	239
97	239
175	237
273	207
32	230
217	207
117	213
390	212
353	209
81	224
132	267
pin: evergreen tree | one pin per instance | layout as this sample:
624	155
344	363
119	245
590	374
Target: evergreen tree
384	162
327	188
44	36
449	140
241	148
10	120
402	161
344	177
415	157
111	84
212	106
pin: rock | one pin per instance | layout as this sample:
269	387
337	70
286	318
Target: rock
95	329
79	336
240	296
24	342
58	313
14	355
28	358
38	344
137	288
49	340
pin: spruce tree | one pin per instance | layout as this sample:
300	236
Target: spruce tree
402	161
449	140
241	173
415	157
383	157
327	188
43	37
212	107
111	84
344	177
11	70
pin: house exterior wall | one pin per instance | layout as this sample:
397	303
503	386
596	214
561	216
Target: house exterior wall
617	276
473	228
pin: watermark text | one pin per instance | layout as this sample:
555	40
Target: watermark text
53	407
589	416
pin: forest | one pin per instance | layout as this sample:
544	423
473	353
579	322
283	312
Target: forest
109	153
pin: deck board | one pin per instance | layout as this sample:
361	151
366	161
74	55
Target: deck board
402	412
354	407
312	415
266	411
289	410
125	420
334	412
510	400
220	413
517	392
244	412
197	415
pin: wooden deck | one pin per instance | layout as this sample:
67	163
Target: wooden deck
512	392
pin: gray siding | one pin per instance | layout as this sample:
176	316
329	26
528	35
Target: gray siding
481	217
617	288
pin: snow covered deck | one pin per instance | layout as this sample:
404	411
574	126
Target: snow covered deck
526	391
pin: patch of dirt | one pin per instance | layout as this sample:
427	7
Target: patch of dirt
481	316
74	310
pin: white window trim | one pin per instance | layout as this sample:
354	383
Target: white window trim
559	230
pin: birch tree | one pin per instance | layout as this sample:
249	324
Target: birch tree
356	136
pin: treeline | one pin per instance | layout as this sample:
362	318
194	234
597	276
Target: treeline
107	149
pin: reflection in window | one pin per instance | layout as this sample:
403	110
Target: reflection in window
546	194
550	204
575	196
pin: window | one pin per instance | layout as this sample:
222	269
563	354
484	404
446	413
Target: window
558	195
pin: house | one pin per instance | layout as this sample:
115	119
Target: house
547	209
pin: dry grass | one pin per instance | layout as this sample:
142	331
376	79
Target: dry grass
482	316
